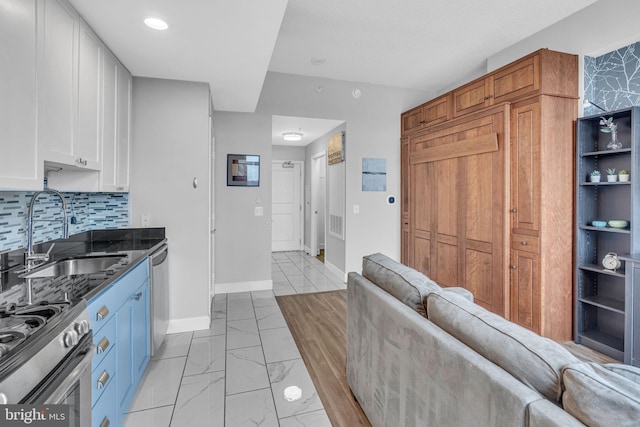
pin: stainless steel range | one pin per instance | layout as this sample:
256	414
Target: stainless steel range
45	356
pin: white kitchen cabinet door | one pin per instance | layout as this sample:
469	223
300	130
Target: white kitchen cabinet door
57	85
87	139
109	94
123	127
20	168
116	105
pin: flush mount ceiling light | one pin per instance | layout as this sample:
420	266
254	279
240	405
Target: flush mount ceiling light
156	23
292	136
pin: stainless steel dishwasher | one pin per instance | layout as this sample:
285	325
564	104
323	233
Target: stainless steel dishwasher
159	295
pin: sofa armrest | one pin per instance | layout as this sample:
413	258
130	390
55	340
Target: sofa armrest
544	413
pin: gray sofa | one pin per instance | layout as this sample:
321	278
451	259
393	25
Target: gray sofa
422	355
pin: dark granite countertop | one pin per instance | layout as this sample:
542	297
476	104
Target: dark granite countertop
131	245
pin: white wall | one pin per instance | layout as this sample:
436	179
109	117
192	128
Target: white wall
170	147
243	240
286	152
335	248
373	123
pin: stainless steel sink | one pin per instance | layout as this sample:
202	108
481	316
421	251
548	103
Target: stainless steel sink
73	266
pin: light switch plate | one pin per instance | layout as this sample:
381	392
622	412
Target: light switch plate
259	211
356	209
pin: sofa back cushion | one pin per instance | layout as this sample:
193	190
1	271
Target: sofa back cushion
602	395
406	284
534	360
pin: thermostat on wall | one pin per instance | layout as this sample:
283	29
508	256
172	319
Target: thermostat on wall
391	200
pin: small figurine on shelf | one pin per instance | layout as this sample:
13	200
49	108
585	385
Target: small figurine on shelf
623	175
611	175
607	126
595	175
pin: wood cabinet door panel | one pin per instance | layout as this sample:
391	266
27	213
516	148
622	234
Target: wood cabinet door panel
480	197
404	181
422	187
471	97
437	111
421	255
517	80
525	290
412	120
525	167
446	268
479	278
447	197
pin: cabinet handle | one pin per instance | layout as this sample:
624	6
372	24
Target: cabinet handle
102	313
514	210
105	422
103	345
513	267
523	243
137	296
422	122
120	188
102	380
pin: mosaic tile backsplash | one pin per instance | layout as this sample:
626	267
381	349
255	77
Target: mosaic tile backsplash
613	80
91	211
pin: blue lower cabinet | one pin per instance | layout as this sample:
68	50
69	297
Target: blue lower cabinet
125	337
104	412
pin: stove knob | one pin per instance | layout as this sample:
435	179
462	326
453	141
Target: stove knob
82	327
70	338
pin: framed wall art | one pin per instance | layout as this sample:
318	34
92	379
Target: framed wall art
243	170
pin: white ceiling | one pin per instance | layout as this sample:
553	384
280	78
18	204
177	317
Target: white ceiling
419	44
311	129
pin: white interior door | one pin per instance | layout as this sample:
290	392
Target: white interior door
286	199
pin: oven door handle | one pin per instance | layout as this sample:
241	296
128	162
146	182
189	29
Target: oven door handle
60	392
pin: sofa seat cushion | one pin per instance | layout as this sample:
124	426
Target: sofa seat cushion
406	284
534	360
598	395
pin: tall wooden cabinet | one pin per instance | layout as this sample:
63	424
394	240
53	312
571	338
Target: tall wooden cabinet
489	188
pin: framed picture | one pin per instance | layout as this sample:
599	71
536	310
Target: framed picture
243	170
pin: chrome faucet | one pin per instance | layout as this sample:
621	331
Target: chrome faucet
29	256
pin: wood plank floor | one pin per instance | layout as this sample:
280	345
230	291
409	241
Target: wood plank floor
318	323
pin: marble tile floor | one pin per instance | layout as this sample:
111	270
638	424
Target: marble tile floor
235	373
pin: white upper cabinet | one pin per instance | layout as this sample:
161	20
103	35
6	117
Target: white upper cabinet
69	90
58	76
65	102
123	128
19	164
87	142
116	84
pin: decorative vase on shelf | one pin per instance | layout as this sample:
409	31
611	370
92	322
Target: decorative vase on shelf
614	143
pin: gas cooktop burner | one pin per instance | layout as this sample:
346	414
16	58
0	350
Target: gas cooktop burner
17	323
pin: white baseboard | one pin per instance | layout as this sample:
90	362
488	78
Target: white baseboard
188	324
307	250
335	270
230	288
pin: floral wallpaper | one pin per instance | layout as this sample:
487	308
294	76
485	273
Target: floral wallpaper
612	80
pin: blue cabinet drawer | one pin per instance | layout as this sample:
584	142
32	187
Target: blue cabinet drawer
105	410
102	309
104	340
102	376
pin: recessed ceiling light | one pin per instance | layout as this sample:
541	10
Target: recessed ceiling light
292	136
156	23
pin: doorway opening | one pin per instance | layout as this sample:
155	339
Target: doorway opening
323	186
